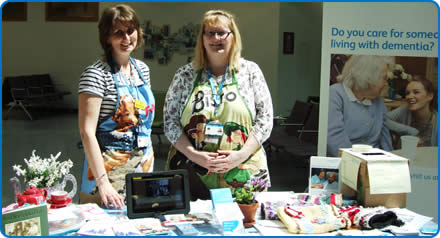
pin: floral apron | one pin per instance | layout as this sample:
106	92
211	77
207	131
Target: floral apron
235	117
124	137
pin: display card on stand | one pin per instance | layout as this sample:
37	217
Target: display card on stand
324	175
227	211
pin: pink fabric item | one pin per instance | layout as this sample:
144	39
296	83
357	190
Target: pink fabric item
10	207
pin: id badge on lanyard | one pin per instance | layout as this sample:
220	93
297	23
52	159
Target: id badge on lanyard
143	140
216	94
213	132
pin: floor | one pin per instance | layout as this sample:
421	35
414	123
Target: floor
54	131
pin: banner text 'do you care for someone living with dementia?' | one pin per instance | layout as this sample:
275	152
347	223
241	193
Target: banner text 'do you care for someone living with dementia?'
391	39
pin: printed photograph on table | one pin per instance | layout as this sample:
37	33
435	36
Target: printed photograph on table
375	100
30	227
324	175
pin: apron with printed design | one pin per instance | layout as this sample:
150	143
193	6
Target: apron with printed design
124	137
236	118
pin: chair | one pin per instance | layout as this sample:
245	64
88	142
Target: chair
30	90
290	127
309	133
313	99
19	94
157	127
304	142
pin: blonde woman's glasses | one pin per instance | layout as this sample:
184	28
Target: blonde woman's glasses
220	34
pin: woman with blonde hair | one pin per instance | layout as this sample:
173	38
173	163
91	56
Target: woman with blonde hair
223	87
357	113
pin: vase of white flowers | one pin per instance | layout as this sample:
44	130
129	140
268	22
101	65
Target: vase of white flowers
45	173
397	80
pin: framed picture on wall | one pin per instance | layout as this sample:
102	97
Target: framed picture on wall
14	11
288	43
72	11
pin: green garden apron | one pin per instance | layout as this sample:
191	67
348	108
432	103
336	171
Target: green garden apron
234	116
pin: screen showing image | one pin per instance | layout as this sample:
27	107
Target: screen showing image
158	194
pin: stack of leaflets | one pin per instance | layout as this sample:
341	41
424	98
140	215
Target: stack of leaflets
151	227
174	219
186	229
64	220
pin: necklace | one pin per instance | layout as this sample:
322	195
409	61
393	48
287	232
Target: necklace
128	77
130	72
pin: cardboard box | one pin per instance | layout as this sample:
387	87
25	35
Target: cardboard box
376	177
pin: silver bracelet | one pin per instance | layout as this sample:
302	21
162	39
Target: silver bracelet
100	177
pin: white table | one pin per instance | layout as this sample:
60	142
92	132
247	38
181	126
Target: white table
423	198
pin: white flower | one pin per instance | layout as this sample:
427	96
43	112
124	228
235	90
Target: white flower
51	180
18	170
398	67
390	75
404	75
43	172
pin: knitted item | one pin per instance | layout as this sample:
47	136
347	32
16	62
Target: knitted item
350	212
269	208
370	218
316	219
333	199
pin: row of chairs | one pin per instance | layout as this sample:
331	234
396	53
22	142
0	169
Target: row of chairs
29	90
297	134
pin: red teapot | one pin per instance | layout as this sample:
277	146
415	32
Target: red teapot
32	195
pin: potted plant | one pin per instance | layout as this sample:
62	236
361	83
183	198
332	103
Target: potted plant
246	196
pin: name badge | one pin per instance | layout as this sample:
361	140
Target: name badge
142	142
139	104
214	129
213	132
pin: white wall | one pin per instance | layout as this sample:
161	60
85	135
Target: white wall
299	74
64	49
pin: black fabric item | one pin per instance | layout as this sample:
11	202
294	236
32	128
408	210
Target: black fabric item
380	221
197	188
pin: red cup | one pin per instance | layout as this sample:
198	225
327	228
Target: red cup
58	197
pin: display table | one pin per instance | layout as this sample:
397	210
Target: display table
99	218
425	157
423	198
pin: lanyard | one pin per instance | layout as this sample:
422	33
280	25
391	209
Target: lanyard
129	82
217	94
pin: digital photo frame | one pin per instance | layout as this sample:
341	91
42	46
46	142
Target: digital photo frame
157	193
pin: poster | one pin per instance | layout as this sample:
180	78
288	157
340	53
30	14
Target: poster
406	33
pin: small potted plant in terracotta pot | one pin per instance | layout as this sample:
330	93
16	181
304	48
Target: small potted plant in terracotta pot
245	197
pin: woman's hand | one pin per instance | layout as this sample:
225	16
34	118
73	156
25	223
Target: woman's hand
204	159
228	160
110	196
